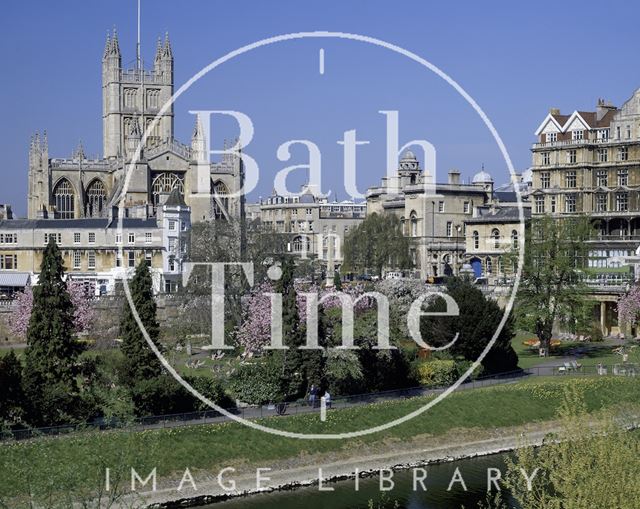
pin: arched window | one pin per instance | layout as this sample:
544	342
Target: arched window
489	265
219	198
96	199
164	183
301	244
414	224
476	240
514	239
402	225
495	235
64	199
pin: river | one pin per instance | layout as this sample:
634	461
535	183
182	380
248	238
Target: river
344	496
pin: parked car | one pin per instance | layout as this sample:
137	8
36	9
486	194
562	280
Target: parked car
393	275
481	281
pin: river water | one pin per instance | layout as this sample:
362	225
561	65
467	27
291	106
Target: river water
344	496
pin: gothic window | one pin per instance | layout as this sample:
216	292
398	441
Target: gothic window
153	133
96	199
64	199
130	98
219	200
152	98
164	183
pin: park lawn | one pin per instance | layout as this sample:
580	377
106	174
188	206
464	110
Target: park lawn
592	353
78	462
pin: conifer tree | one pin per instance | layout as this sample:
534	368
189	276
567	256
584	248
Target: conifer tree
11	396
337	281
50	378
140	362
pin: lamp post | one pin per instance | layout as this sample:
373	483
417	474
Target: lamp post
458	229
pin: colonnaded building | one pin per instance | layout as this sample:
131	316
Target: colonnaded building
78	201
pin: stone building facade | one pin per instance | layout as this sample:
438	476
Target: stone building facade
588	162
91	246
79	187
314	226
433	216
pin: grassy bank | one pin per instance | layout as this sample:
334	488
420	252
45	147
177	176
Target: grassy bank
77	463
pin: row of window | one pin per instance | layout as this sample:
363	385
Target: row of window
130	97
8	238
601	155
601	204
76	259
602	178
495	239
91	237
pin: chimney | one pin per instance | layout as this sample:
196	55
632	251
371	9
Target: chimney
603	108
554	111
454	177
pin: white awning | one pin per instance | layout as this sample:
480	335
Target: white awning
12	278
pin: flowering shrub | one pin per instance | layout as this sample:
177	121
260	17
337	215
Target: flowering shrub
83	314
255	331
629	305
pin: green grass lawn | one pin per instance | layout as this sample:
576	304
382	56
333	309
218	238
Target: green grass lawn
589	354
77	462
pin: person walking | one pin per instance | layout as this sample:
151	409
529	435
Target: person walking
313	393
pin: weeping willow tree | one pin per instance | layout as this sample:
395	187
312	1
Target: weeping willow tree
377	243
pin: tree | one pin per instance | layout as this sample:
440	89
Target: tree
376	243
140	362
293	372
475	325
591	462
11	395
629	306
51	358
83	314
337	281
551	287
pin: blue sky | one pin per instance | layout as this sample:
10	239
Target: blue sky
515	60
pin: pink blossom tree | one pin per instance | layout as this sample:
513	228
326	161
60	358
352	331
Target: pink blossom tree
629	305
255	331
83	314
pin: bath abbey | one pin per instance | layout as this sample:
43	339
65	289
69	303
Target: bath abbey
78	187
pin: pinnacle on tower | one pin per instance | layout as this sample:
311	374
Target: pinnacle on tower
115	46
107	46
167	53
158	49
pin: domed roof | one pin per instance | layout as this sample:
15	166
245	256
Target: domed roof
482	177
408	156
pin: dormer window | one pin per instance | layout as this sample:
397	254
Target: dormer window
578	134
551	137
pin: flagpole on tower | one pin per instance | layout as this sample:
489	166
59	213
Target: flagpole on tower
138	41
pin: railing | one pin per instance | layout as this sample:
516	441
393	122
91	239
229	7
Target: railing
563	143
302	407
